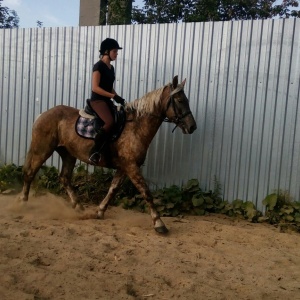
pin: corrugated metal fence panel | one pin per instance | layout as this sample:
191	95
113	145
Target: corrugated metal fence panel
242	82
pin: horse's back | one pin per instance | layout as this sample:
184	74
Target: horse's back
55	115
60	111
49	122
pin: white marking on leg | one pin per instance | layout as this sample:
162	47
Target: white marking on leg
159	223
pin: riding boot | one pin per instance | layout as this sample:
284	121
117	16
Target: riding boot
95	152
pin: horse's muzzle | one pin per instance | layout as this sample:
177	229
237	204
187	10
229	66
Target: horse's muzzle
192	128
189	125
188	129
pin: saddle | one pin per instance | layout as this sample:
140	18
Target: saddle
89	123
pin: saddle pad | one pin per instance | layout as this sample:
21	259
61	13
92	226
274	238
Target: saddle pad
85	115
85	127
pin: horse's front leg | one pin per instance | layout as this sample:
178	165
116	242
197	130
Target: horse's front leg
115	184
138	180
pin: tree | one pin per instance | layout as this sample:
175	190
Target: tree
8	17
119	12
228	10
158	11
115	12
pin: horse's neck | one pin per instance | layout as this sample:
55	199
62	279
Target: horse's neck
148	114
147	126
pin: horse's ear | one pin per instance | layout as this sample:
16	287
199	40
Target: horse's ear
183	82
175	82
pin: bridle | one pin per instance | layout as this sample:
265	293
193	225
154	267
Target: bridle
177	118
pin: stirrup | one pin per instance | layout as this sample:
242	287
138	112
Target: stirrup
95	158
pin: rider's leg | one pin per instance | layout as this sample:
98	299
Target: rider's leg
95	152
103	111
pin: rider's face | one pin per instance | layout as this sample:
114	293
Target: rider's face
113	54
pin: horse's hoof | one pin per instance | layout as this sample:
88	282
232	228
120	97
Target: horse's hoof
100	215
79	207
162	230
22	199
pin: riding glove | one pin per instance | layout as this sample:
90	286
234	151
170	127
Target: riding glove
119	99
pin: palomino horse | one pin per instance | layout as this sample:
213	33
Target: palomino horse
54	130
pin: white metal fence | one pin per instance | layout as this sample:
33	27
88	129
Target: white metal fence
242	82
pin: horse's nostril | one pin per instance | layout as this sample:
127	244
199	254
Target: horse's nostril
193	128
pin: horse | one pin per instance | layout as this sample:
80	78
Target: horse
54	130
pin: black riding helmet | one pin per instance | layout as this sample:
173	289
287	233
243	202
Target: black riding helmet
107	45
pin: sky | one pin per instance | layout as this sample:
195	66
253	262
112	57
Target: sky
53	13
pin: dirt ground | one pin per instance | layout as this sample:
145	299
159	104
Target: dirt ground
50	251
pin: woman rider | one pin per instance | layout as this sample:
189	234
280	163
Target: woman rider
102	92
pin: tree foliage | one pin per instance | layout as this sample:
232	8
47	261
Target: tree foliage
115	12
172	11
8	17
119	12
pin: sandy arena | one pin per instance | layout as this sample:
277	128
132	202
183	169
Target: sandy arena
50	251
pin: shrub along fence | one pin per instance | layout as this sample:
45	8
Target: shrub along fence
173	201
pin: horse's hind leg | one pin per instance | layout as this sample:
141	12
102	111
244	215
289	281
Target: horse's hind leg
66	173
34	161
115	184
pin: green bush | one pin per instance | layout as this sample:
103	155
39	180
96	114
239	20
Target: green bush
170	201
48	178
91	187
10	177
281	209
190	199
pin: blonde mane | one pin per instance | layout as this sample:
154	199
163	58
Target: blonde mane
146	104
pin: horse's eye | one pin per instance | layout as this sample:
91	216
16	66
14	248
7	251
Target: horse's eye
179	99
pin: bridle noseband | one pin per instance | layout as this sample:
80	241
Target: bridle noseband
177	118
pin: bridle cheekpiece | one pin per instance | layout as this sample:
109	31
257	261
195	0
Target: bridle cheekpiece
177	118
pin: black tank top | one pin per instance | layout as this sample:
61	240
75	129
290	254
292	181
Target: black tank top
107	79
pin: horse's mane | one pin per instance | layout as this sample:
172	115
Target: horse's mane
146	104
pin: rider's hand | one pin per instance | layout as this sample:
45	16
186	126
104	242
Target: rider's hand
119	99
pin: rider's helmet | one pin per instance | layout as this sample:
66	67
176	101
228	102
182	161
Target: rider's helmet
107	45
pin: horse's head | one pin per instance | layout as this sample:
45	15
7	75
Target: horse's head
178	108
